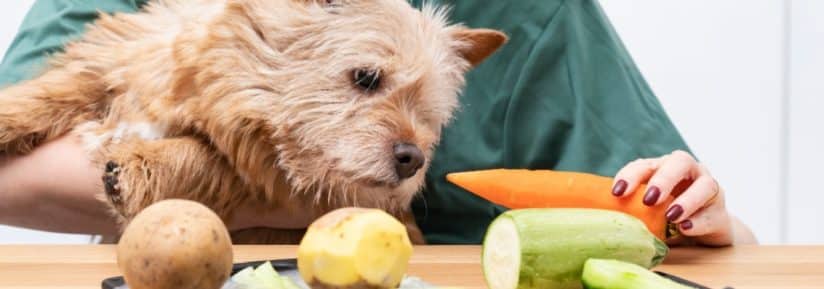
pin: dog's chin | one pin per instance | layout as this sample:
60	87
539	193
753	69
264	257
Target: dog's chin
340	188
393	195
392	184
379	184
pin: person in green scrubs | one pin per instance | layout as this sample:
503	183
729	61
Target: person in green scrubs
563	94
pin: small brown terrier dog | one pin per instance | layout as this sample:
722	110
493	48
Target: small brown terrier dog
303	104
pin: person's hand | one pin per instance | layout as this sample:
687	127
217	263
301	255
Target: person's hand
698	210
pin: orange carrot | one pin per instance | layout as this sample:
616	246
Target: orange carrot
517	189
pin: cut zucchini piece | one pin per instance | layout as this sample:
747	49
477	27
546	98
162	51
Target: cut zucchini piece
267	276
614	274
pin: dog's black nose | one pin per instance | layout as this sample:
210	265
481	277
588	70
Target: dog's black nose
408	160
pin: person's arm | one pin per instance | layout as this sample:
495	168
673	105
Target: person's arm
55	189
742	233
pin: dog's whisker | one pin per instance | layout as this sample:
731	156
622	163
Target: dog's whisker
355	195
345	194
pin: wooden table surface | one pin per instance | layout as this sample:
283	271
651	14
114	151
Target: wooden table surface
85	266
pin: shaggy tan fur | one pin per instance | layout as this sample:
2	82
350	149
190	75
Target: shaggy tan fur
227	101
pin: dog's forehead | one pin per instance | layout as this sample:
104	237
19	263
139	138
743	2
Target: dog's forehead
416	39
395	23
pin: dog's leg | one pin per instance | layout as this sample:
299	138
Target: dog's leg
415	233
283	236
267	236
140	172
48	106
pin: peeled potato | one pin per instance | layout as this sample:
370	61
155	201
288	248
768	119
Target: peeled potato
175	244
354	248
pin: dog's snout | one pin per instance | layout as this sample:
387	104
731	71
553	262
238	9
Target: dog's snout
408	160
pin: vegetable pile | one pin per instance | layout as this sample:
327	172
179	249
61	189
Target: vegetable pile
564	232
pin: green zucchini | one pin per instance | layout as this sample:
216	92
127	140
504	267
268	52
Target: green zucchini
547	248
614	274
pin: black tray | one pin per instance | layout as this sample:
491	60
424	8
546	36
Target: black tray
683	281
291	264
280	265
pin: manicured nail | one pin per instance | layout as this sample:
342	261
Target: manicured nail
674	212
686	225
652	196
619	188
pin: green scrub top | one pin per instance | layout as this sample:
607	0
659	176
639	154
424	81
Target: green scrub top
563	94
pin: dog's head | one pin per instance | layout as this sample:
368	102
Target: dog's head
355	92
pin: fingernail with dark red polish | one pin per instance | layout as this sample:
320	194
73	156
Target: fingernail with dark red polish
619	188
686	225
652	196
674	212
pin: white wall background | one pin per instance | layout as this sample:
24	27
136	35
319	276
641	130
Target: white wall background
743	82
806	123
11	15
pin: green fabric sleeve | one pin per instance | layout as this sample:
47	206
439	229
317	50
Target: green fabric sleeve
48	25
563	94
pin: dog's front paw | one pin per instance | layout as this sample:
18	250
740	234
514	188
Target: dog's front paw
111	183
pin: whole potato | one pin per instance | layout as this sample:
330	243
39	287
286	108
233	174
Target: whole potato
175	244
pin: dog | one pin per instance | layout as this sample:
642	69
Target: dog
306	105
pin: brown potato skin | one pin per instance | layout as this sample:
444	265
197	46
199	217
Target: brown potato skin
175	244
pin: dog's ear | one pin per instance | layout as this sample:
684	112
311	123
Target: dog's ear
478	44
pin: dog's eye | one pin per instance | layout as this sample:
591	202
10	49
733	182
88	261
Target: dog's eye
367	79
331	3
331	6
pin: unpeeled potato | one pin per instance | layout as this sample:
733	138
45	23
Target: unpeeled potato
175	244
